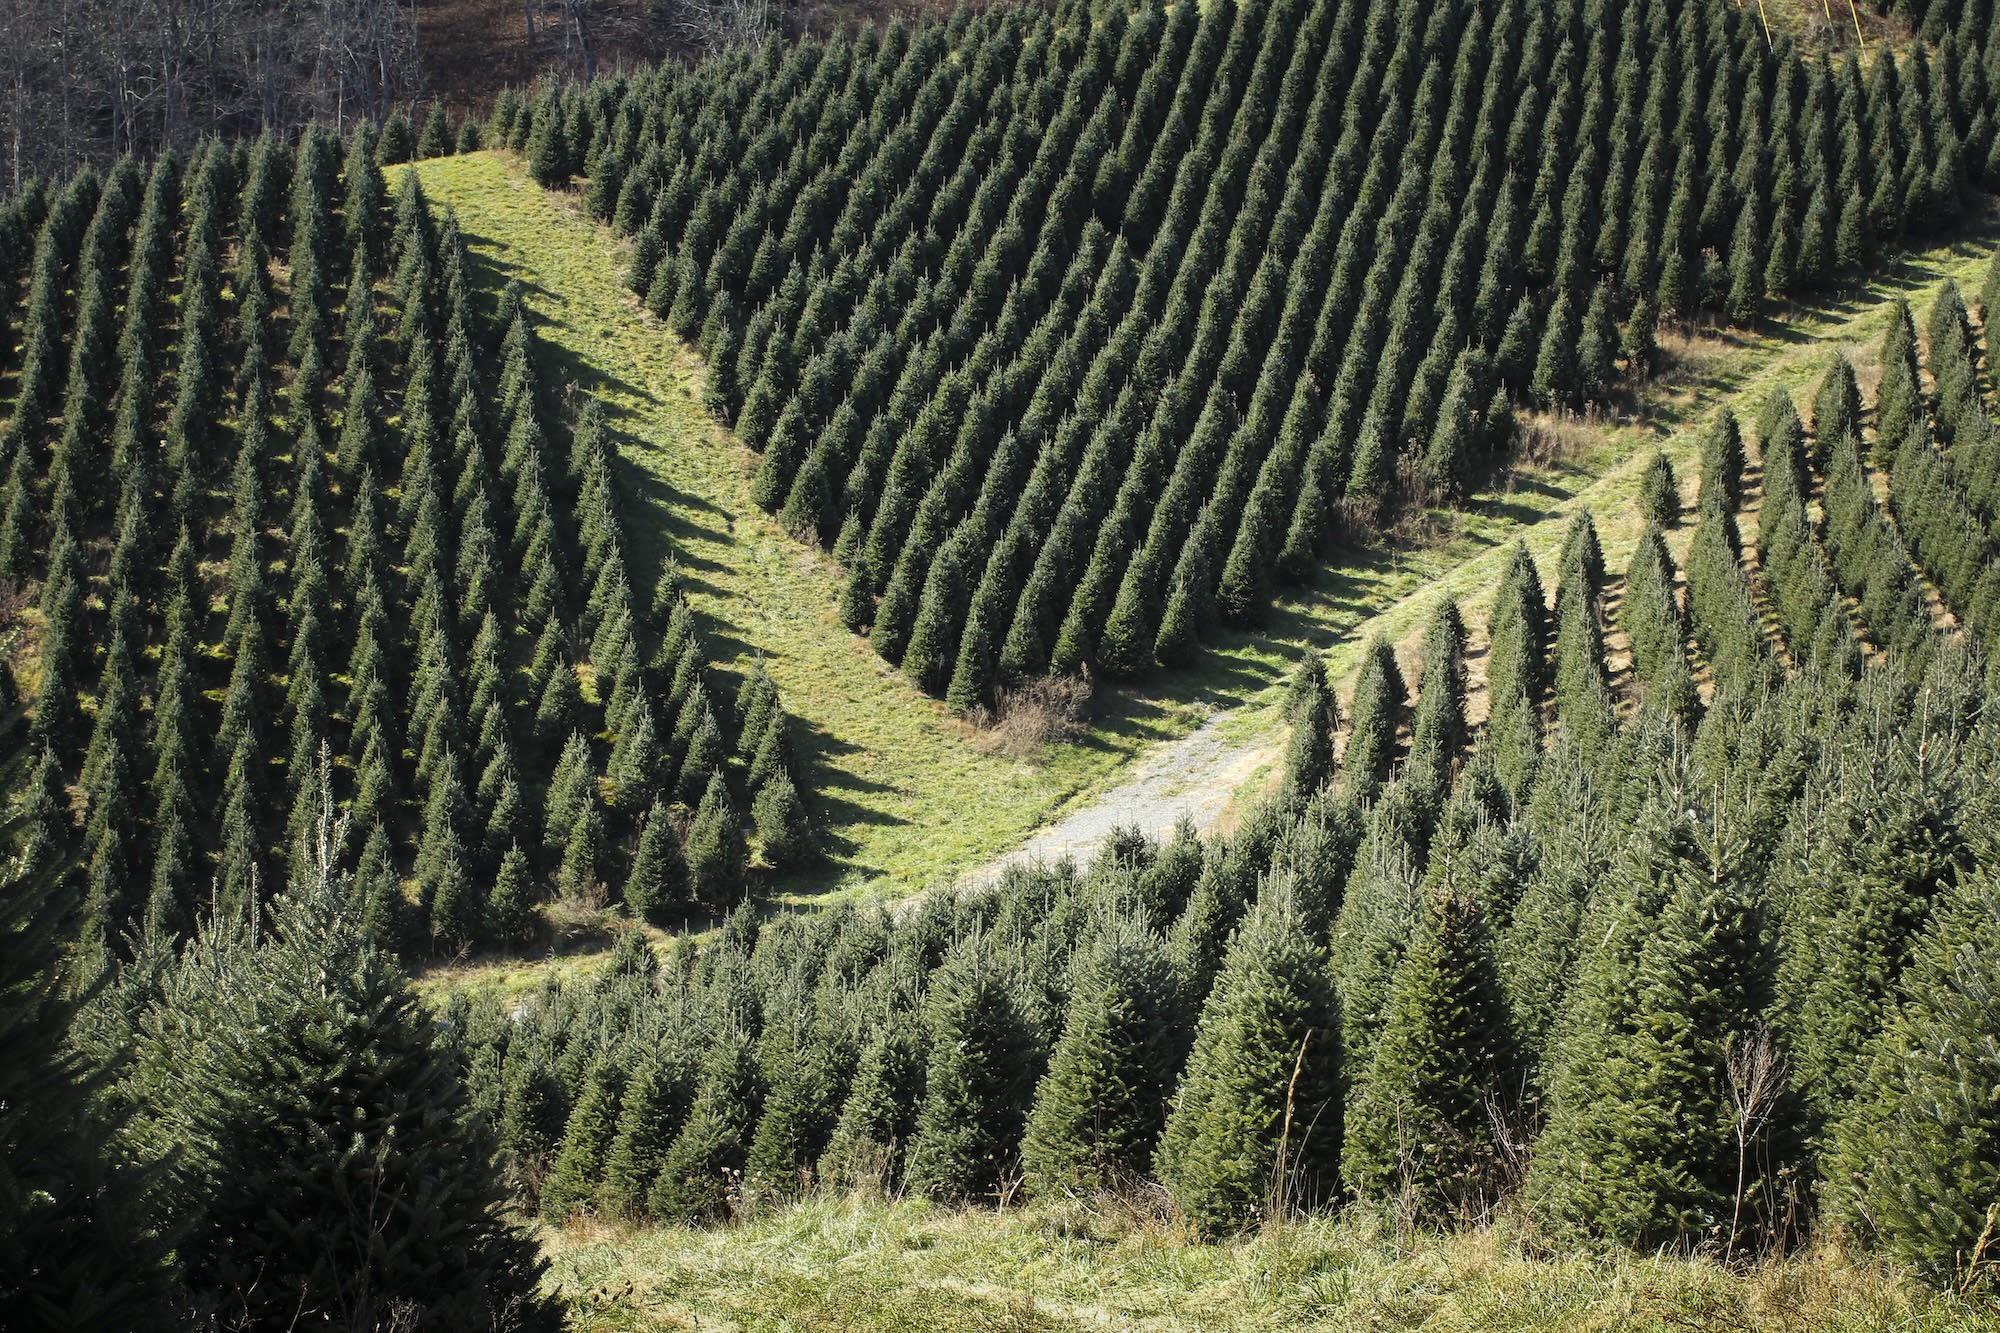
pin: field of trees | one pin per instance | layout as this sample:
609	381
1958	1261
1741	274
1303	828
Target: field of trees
1713	974
335	528
1650	909
1072	334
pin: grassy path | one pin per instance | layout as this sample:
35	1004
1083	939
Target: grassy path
906	796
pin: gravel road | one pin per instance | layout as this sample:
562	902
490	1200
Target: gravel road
1195	776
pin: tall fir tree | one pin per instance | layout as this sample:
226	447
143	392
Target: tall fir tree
1255	1128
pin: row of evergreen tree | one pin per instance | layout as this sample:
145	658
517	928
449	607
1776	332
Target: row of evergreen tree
257	362
1695	953
1074	333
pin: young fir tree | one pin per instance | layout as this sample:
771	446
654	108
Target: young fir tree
1659	494
75	1247
1255	1127
1836	410
658	882
1200	936
315	1117
1916	1163
1315	716
1515	672
984	1056
583	851
715	850
1880	851
657	1100
593	1123
702	1171
547	145
510	907
1099	1110
1437	728
456	918
1377	709
1420	1125
779	817
879	1117
1722	462
1639	1147
1165	885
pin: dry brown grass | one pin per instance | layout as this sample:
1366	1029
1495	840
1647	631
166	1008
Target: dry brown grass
1026	717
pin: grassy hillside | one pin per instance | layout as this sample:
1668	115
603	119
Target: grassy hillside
856	1266
910	796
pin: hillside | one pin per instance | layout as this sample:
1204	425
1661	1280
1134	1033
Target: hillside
890	762
1293	663
905	796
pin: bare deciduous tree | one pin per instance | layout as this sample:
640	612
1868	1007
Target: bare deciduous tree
88	80
719	25
1758	1075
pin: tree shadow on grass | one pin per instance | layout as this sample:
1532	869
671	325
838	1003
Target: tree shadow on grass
1518	512
831	800
641	481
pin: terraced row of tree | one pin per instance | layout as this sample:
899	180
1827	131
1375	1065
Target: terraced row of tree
1076	333
1694	952
294	510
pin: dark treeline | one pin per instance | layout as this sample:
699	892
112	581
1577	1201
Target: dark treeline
290	507
88	81
1701	954
1075	333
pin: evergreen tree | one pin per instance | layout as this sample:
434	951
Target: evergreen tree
1918	1154
715	850
1437	728
658	883
1420	1125
657	1099
1314	716
1722	462
315	1119
1099	1110
1881	851
511	905
455	907
808	1056
780	820
1379	693
1255	1126
593	1123
75	1247
984	1054
1639	1146
702	1170
879	1116
1515	671
1659	494
547	146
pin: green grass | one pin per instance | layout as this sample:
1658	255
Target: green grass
906	796
854	1266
